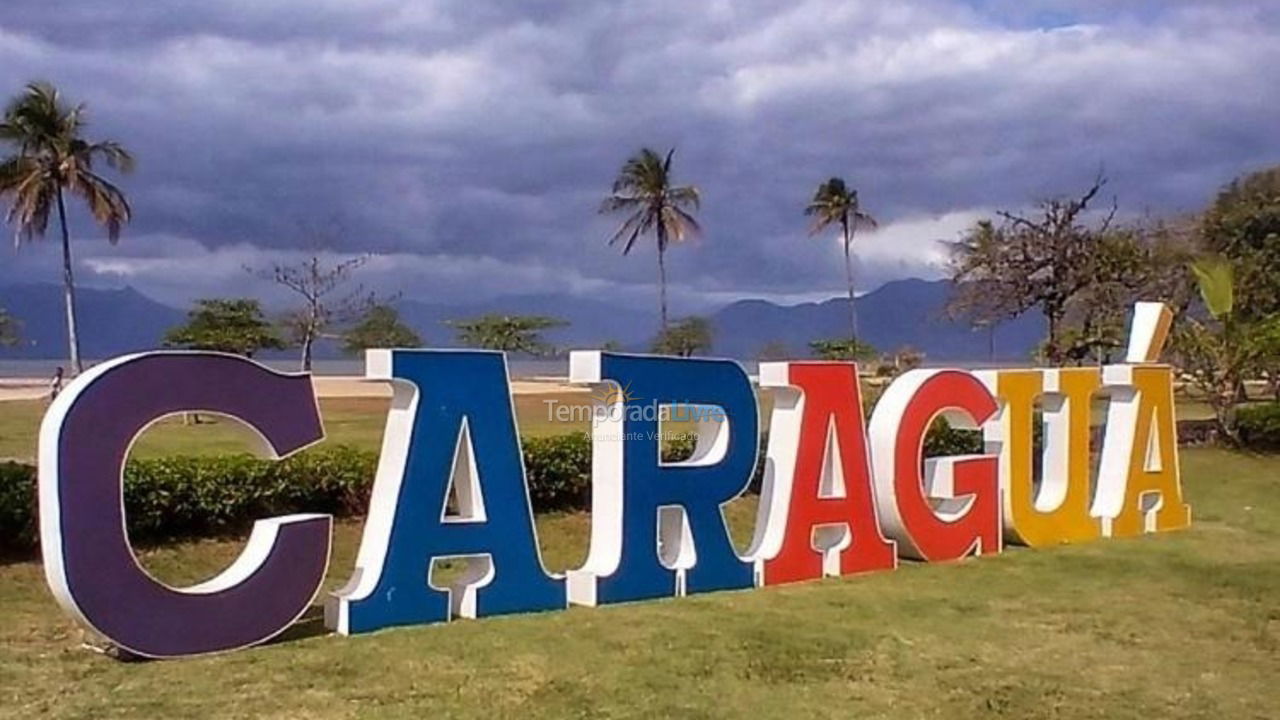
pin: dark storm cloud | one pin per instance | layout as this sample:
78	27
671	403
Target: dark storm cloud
471	142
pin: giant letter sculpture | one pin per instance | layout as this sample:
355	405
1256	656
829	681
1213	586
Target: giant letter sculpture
817	510
1055	509
451	424
84	440
646	513
1139	481
954	509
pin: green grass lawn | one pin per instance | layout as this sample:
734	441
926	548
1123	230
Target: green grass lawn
1170	626
350	421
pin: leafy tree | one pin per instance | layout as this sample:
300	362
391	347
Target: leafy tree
646	192
10	329
1243	224
510	333
232	326
1132	264
1043	262
324	304
851	350
380	328
835	204
1080	273
1219	354
51	159
685	338
773	351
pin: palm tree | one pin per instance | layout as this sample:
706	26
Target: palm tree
51	159
644	190
836	203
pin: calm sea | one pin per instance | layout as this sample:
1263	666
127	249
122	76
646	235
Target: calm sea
519	368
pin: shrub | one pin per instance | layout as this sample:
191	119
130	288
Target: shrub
1259	426
558	470
179	497
680	447
942	439
182	497
17	507
195	496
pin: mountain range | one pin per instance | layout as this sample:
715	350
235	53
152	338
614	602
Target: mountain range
900	313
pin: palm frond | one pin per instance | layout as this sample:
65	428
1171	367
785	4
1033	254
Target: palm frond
629	227
52	156
615	203
643	189
1216	279
821	223
680	224
687	195
647	222
106	202
860	219
835	203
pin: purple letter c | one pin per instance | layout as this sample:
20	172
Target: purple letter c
84	440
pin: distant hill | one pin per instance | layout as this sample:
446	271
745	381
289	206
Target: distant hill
111	322
904	312
900	313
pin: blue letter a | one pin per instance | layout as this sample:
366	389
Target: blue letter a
451	424
647	513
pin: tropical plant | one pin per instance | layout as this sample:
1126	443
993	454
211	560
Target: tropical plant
380	327
645	191
51	159
1243	223
1219	354
685	338
835	204
852	350
509	333
226	325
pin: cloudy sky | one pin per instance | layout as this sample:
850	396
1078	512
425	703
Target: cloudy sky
467	144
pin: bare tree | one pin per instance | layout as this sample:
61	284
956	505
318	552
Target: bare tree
325	301
1043	261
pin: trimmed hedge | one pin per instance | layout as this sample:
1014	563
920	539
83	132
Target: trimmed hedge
183	497
177	497
1260	426
942	439
558	470
18	529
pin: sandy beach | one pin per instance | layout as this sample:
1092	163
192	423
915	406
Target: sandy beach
12	389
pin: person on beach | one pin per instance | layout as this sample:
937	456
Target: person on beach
55	385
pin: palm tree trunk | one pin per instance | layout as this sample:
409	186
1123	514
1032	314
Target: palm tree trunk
848	275
662	274
69	289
